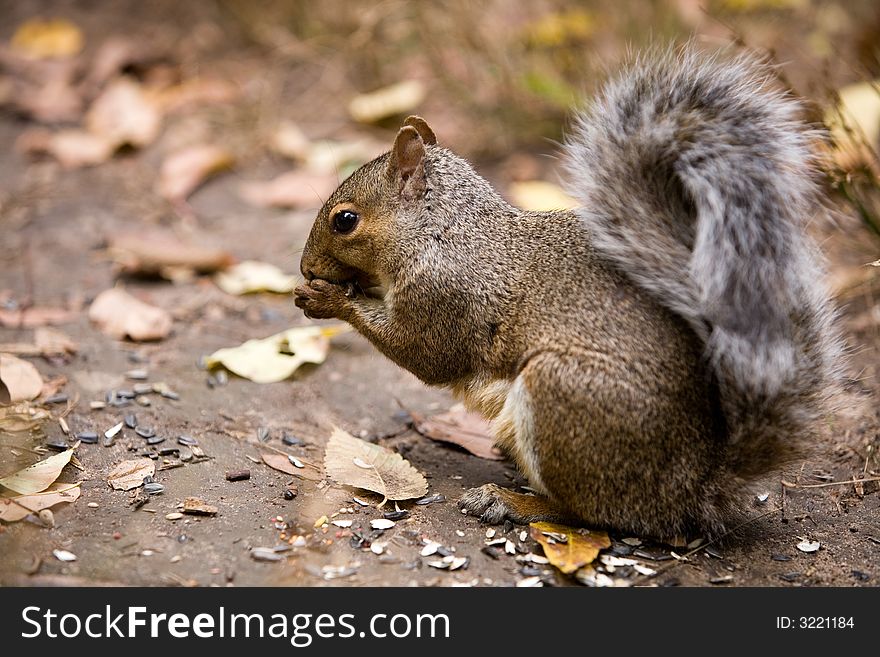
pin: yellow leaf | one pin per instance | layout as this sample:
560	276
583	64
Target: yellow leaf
19	380
277	357
45	39
539	195
568	548
39	476
13	509
354	462
252	276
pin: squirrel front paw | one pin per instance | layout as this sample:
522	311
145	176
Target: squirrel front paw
322	299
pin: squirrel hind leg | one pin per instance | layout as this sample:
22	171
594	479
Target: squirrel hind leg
494	505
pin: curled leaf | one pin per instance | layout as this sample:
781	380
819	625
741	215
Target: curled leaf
252	276
13	509
39	476
19	380
277	357
568	548
120	315
388	473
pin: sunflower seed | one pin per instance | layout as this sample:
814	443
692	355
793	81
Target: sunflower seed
142	388
57	399
287	439
89	437
97	405
145	432
431	499
265	554
137	375
112	431
131	421
64	555
395	515
155	440
263	434
154	488
296	462
187	440
56	444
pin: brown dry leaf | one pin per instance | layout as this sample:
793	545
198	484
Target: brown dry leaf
39	476
194	92
130	474
184	171
354	462
53	386
19	380
46	39
281	463
398	98
35	316
460	427
13	509
120	315
123	114
569	548
158	252
294	189
52	342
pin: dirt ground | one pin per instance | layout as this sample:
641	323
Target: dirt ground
54	225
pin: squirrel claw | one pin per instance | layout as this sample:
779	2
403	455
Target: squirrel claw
494	505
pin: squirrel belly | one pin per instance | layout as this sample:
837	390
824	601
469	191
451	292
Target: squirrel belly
642	359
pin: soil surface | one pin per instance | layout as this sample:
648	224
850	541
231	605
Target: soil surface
54	227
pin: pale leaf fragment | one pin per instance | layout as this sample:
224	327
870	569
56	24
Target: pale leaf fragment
13	509
460	427
39	476
391	475
253	276
19	380
130	474
120	315
277	357
184	171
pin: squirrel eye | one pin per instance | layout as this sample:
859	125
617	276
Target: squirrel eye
344	221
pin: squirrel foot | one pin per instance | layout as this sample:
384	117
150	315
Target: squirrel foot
494	505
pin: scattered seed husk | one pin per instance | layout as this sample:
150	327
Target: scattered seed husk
431	499
238	475
155	440
382	523
530	582
64	428
395	515
197	507
137	375
143	400
266	554
345	524
112	431
154	488
808	546
145	432
64	555
378	548
292	441
296	462
57	399
187	440
176	515
142	388
57	444
323	520
97	405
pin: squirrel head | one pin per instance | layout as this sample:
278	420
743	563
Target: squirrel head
350	237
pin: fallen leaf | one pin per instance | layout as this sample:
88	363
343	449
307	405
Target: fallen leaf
120	315
290	141
338	158
197	507
52	387
21	417
391	475
156	252
39	476
123	114
395	99
13	509
35	316
281	463
580	546
184	171
539	195
294	189
252	276
460	427
855	123
76	148
277	357
194	92
52	342
19	380
130	474
46	39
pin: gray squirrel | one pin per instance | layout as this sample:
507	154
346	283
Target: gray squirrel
643	358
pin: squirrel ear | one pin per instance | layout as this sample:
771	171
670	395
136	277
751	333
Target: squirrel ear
408	156
422	128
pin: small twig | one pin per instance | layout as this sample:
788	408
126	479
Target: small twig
788	484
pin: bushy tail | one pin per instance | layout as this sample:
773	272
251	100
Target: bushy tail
696	178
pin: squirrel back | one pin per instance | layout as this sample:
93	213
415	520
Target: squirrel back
696	179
